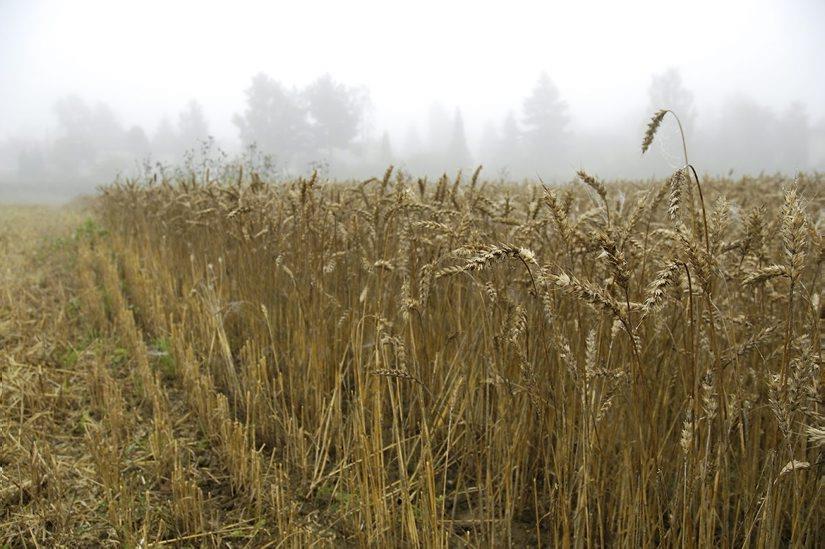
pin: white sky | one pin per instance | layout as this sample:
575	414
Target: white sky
148	58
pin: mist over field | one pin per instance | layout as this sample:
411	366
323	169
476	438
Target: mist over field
92	90
424	274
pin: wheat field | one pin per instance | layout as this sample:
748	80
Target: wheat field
222	361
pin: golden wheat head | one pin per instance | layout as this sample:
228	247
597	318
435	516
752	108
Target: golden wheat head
652	128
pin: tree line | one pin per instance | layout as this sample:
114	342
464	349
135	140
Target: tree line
326	126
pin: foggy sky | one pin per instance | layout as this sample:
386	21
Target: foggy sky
147	59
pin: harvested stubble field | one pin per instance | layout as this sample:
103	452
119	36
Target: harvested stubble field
397	362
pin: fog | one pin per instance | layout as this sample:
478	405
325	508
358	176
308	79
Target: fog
92	90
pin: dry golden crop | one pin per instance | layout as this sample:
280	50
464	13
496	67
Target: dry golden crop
400	362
